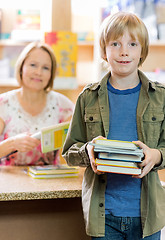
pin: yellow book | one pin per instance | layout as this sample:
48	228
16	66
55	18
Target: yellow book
120	170
116	163
52	169
64	45
51	176
53	137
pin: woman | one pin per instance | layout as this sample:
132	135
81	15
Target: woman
33	106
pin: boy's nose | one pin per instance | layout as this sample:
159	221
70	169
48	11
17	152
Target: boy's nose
124	51
124	54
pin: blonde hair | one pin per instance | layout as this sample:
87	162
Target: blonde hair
25	53
114	27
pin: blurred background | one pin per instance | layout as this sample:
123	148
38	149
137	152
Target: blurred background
24	21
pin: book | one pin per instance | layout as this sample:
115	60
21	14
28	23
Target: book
120	170
64	45
138	152
51	176
116	144
53	137
118	147
119	156
52	169
116	163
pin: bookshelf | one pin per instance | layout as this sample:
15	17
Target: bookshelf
155	57
87	62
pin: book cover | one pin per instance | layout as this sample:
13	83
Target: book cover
116	163
116	144
118	156
51	176
64	44
120	170
53	137
99	148
52	169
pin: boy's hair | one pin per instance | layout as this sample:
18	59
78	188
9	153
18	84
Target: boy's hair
25	53
114	27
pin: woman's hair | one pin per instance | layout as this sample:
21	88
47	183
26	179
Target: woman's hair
25	53
114	27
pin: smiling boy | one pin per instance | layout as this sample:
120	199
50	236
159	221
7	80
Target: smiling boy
124	105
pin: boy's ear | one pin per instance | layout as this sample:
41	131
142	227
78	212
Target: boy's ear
105	57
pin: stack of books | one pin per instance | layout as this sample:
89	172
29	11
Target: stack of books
52	171
118	156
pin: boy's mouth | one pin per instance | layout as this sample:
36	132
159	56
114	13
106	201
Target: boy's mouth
124	62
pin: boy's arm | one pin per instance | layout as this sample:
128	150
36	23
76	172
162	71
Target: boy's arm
74	150
161	146
152	158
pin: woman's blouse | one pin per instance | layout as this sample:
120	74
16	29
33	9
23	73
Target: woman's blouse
58	109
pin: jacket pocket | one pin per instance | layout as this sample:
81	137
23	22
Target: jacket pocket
94	125
152	122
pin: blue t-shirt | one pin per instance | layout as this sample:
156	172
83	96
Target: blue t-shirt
122	196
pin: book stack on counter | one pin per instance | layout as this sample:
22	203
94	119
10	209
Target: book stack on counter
117	156
52	171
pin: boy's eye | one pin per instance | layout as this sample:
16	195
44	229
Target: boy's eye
133	44
115	44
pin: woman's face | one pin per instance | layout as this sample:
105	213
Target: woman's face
36	71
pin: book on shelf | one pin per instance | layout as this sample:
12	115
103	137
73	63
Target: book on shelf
64	45
116	163
52	171
120	170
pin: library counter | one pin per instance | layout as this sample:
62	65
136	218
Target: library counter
40	208
17	185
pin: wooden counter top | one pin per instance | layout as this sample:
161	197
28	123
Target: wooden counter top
15	184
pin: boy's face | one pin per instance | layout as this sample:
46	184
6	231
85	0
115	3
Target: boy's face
123	55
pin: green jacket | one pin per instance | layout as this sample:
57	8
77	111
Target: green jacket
91	119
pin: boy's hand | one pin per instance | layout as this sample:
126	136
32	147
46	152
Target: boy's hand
152	157
90	150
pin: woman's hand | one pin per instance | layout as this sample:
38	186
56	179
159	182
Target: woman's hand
24	142
90	150
152	157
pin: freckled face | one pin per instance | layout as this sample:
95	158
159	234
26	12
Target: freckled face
36	71
123	55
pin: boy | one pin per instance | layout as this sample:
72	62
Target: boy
124	105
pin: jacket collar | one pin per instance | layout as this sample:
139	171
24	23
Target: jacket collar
148	84
103	83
